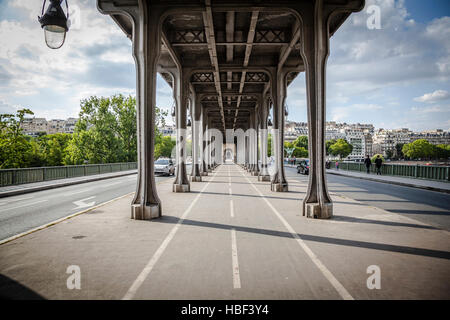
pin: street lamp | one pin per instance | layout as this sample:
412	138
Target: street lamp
54	23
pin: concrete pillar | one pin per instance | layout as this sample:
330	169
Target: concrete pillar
278	91
264	113
255	167
204	166
146	204
197	140
314	51
208	146
181	94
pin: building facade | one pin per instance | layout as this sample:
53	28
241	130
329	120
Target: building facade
35	126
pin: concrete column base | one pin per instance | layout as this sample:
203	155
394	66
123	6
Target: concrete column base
255	173
264	177
181	188
316	211
279	187
147	212
196	178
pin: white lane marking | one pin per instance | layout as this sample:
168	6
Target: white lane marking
112	184
14	200
82	204
154	259
68	194
231	208
59	220
327	273
234	256
24	205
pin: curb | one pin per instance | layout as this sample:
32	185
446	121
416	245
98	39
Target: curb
404	184
58	185
45	226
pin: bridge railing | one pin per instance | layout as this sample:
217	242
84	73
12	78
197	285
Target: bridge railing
438	173
10	177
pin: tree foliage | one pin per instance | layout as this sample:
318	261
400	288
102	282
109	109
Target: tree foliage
418	149
376	156
15	149
341	148
105	133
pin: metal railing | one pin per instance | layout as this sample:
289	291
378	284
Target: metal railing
10	177
438	173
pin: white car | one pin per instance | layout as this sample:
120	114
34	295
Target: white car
164	166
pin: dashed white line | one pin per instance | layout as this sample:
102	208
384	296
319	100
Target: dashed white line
25	205
14	200
235	262
154	259
231	208
68	194
327	273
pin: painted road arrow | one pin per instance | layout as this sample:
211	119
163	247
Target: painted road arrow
82	204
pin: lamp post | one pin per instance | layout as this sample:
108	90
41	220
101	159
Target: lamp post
54	23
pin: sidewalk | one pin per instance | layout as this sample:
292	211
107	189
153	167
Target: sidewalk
45	185
230	238
409	182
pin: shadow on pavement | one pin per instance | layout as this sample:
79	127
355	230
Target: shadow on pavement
13	290
336	241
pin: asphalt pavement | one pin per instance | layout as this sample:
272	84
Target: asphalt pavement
21	213
426	206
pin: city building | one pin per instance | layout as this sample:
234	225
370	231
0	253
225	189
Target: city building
35	126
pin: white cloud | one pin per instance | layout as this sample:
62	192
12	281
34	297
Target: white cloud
435	96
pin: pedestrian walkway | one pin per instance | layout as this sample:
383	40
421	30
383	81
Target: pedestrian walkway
230	238
409	182
45	185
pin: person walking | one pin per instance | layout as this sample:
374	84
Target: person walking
378	163
337	165
368	163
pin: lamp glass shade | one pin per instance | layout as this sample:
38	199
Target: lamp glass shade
54	36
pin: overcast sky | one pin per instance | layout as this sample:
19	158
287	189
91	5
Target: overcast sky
394	77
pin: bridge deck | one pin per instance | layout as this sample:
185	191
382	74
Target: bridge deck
230	238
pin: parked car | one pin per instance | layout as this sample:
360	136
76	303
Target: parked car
303	166
164	166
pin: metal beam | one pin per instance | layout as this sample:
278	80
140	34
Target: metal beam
248	51
286	51
209	31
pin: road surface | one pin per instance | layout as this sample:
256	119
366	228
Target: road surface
430	207
24	212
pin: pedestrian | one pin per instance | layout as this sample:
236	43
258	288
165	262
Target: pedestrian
337	165
378	162
368	163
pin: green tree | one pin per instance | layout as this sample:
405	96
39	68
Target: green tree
164	147
300	152
389	153
441	151
301	142
376	156
398	150
269	145
15	148
418	149
328	144
53	148
341	148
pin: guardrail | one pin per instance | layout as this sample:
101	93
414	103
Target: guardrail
438	173
10	177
